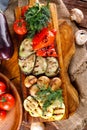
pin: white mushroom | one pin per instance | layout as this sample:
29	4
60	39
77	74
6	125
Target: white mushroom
33	90
43	81
30	80
76	15
37	126
55	83
81	37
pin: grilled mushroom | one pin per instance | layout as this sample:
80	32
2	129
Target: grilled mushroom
30	80
55	83
43	81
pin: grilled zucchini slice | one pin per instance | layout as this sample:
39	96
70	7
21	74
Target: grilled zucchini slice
40	66
26	48
27	64
52	67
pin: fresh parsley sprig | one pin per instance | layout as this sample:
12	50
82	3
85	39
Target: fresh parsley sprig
37	17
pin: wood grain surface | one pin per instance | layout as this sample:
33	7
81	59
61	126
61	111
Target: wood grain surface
10	68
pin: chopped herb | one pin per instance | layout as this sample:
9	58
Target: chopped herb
37	17
48	96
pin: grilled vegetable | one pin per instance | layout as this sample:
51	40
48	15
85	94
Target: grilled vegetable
30	80
52	66
39	36
33	90
27	64
46	41
6	44
26	48
55	83
40	66
47	51
43	81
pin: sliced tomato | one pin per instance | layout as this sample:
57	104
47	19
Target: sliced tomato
7	102
19	27
47	40
2	115
2	87
24	10
39	36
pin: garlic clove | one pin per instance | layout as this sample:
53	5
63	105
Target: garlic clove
76	15
37	126
81	37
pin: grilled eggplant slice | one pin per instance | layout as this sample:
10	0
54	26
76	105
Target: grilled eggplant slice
26	48
52	67
27	64
40	66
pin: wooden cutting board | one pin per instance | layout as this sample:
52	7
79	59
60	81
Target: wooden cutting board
65	48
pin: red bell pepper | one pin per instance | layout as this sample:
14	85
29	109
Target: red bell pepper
47	51
47	40
42	52
51	51
39	36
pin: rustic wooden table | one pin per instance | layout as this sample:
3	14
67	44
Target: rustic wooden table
10	68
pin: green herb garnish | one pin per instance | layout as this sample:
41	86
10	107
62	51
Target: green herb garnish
48	96
37	17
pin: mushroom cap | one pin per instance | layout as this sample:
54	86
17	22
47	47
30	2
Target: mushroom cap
76	15
37	126
81	37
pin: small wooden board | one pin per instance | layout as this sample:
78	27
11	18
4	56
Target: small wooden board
65	48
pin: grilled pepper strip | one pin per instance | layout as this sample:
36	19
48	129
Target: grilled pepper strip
47	51
39	36
48	40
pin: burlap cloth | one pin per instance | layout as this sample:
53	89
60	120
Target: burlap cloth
77	71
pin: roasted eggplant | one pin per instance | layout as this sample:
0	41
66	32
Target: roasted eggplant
6	44
52	67
27	65
40	65
26	48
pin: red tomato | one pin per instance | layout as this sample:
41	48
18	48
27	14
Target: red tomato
24	10
2	115
7	102
19	27
2	88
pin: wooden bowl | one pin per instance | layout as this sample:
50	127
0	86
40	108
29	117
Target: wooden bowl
14	116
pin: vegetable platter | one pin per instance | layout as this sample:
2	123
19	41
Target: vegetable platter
10	105
45	51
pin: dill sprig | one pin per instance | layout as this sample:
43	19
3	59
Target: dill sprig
48	96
